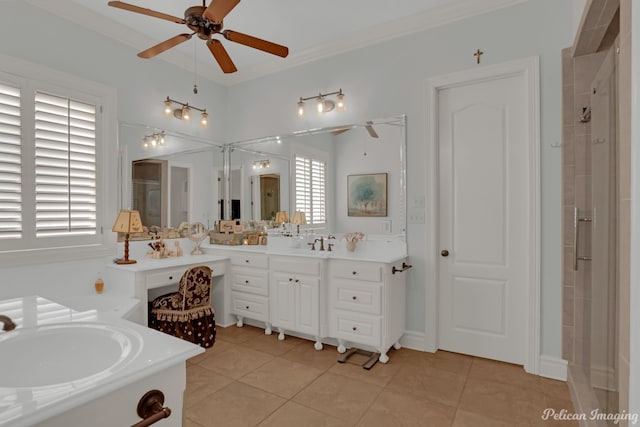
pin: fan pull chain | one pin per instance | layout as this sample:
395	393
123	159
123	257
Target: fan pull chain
195	64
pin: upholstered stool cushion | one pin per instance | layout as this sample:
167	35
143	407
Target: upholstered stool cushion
187	314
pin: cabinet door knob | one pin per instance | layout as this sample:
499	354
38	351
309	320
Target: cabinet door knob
297	280
246	307
444	253
170	277
246	282
246	260
291	279
353	298
354	273
354	328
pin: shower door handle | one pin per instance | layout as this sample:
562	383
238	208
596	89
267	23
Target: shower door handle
576	229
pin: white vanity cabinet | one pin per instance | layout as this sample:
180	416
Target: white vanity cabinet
296	297
250	287
367	304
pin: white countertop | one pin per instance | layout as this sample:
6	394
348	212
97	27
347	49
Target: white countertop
384	251
145	264
25	406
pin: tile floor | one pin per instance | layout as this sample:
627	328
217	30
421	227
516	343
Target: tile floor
251	379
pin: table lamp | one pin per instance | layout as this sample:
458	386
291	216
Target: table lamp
282	217
298	218
127	222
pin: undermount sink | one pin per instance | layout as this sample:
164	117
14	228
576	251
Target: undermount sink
63	353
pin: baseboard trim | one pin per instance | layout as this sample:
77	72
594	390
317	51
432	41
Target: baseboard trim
414	340
552	367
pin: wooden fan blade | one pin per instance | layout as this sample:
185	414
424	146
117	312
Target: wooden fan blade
218	9
144	11
165	45
371	130
221	55
256	43
339	131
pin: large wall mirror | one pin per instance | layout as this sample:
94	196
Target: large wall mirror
364	177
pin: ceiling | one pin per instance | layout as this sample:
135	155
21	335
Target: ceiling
311	30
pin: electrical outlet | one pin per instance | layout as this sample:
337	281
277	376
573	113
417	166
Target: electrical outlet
386	226
418	202
416	216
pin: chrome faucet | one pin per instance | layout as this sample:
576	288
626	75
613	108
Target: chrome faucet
8	323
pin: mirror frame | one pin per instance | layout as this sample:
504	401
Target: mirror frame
245	145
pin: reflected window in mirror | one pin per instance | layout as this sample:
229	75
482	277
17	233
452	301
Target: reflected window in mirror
311	188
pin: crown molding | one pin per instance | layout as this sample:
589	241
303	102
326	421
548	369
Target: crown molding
454	11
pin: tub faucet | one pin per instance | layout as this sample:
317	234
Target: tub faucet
8	323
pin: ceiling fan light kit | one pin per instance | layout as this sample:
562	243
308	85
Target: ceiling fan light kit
205	22
323	105
183	112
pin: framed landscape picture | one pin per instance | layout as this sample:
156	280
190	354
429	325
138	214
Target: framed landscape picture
367	194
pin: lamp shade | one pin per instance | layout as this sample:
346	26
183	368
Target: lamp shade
128	222
299	218
281	217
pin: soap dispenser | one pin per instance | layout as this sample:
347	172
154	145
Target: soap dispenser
99	284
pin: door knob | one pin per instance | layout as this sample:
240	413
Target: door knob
444	252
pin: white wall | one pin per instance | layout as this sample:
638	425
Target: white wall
379	81
390	79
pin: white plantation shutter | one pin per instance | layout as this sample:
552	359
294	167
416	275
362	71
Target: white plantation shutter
310	184
10	163
65	166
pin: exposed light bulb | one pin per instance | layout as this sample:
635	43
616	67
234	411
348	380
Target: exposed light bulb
340	102
320	105
204	119
301	109
167	108
186	113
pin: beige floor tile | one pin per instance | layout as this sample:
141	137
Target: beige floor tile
271	345
469	419
429	383
506	402
307	355
235	362
295	415
282	377
406	356
485	369
338	396
380	374
202	382
187	422
235	405
236	335
555	388
454	362
397	409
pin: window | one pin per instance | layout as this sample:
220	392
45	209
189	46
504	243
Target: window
51	175
310	184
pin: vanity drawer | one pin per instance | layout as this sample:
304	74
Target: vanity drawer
357	270
250	280
357	328
250	260
358	296
165	277
251	306
310	267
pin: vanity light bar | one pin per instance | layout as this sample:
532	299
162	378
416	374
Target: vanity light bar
323	105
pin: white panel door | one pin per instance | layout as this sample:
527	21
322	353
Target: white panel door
483	142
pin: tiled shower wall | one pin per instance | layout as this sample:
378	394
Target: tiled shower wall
578	74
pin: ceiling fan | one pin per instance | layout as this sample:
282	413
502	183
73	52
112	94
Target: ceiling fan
205	22
368	126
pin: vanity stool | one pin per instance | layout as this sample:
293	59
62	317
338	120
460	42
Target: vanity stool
187	313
